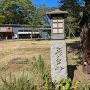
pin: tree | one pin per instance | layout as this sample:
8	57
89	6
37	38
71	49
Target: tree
39	16
74	14
85	20
2	19
16	11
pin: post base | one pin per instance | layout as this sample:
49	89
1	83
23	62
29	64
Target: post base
58	60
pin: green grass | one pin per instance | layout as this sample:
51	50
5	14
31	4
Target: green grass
21	83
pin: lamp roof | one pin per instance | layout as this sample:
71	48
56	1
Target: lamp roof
57	12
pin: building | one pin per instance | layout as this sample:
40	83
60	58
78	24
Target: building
17	31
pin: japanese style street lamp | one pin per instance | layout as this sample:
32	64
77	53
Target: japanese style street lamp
57	23
58	45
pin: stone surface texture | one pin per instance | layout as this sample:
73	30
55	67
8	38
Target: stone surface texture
58	60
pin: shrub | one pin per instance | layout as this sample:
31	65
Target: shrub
63	84
22	83
38	65
66	84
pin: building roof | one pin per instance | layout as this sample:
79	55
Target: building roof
19	25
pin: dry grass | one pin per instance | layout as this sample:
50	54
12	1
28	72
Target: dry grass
16	56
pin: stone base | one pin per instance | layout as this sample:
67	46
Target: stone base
58	60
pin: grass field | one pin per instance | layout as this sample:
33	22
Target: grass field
16	56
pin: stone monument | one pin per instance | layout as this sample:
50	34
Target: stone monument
58	45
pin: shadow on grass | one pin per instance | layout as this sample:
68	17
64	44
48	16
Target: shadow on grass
74	45
71	69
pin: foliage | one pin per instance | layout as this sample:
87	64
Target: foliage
63	84
85	20
2	19
45	77
38	65
42	10
67	84
21	83
15	12
78	86
74	16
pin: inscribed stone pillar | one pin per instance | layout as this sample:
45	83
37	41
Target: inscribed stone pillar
58	60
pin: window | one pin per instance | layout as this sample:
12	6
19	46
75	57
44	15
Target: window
8	28
57	25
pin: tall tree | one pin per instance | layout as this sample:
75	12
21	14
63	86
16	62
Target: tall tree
2	17
85	20
43	18
15	11
74	14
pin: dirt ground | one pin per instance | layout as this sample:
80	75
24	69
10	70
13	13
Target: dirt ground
16	56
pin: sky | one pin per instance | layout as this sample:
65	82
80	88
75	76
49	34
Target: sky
48	3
